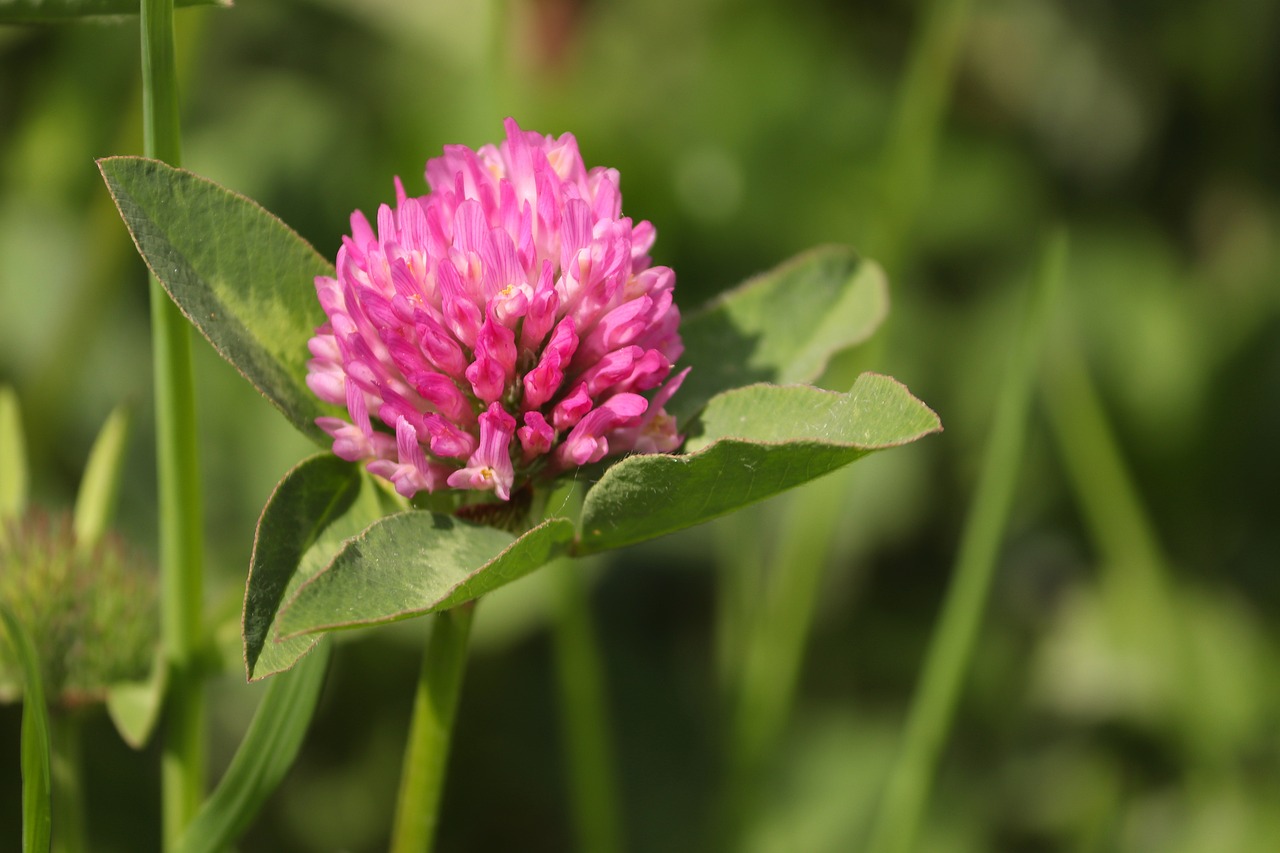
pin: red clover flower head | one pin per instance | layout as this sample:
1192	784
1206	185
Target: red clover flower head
501	328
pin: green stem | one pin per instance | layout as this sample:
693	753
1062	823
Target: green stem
434	705
161	137
584	715
951	647
35	759
177	464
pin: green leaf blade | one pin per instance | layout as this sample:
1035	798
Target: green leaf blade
755	442
308	511
263	758
36	777
134	706
243	277
100	485
877	413
13	458
781	326
414	563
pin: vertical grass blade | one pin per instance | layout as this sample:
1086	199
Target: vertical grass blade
951	647
1136	577
13	458
263	758
36	785
760	679
1105	489
100	486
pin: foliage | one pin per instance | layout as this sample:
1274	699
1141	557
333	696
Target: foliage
748	132
755	441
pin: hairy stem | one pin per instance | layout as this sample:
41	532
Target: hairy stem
431	730
177	463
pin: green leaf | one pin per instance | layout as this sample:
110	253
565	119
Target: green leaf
781	326
877	413
298	519
417	562
100	486
263	758
243	277
36	779
754	442
54	11
13	458
134	706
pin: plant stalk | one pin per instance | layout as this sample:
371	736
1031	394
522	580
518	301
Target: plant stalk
177	463
584	715
431	729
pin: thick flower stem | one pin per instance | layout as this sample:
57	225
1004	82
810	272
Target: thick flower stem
431	730
160	128
951	646
584	718
177	463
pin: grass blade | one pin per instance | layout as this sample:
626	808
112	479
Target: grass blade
100	486
13	457
36	785
951	647
263	757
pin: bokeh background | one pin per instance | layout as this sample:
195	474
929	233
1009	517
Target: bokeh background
1125	694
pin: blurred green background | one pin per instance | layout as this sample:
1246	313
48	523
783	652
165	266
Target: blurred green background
1125	695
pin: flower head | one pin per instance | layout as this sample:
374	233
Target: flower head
504	326
90	611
